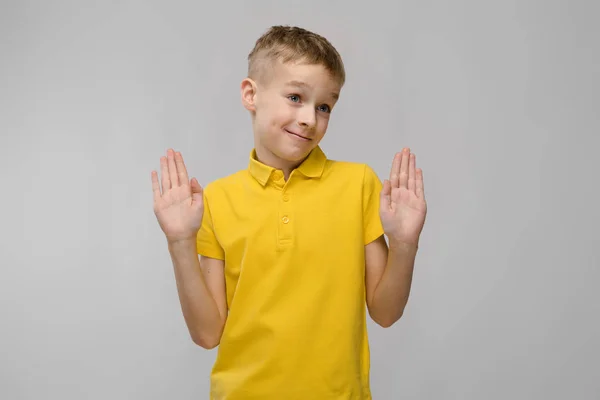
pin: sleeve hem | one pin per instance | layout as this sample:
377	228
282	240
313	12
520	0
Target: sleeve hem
210	253
371	236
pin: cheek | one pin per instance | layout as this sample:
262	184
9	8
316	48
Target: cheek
323	124
282	114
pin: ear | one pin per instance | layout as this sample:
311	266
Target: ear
248	91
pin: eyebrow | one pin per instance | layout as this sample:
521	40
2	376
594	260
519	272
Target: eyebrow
305	85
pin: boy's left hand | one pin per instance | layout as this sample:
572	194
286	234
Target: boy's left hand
403	207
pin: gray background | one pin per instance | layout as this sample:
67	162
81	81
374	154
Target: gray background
499	100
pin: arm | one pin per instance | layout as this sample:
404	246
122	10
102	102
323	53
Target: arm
389	275
179	209
201	289
402	212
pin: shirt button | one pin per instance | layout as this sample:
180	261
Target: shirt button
285	220
286	197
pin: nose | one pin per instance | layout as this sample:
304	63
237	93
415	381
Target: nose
307	117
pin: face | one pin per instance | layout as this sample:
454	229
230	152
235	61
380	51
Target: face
290	112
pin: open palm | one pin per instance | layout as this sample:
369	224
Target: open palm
403	206
179	208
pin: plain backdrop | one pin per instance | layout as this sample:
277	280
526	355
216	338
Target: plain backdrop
499	101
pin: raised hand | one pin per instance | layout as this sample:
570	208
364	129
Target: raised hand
180	206
403	207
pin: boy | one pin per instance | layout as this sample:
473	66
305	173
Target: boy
291	248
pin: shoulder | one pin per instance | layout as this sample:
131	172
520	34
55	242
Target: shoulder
226	184
350	170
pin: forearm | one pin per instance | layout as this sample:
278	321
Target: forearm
200	310
392	292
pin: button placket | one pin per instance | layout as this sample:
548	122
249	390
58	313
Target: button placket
285	218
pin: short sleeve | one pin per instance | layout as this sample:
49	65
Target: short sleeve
206	240
372	186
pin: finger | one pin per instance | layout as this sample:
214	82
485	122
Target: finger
411	172
181	170
395	171
164	172
172	168
404	168
155	186
419	184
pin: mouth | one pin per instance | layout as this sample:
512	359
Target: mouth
298	136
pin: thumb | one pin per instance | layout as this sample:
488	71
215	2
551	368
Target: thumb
196	190
385	195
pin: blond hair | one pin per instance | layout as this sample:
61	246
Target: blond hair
294	44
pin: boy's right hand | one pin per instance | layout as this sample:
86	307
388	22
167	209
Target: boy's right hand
180	207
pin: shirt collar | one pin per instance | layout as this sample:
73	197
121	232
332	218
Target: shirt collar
311	167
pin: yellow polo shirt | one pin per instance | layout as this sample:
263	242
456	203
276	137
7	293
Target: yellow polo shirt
295	275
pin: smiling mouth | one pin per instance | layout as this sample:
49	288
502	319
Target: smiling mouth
298	136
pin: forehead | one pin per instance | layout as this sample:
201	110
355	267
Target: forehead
307	76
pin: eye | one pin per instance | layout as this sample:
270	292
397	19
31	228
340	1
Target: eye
325	108
294	97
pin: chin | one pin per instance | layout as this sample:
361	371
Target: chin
292	153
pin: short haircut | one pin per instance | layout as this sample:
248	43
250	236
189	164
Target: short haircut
293	44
